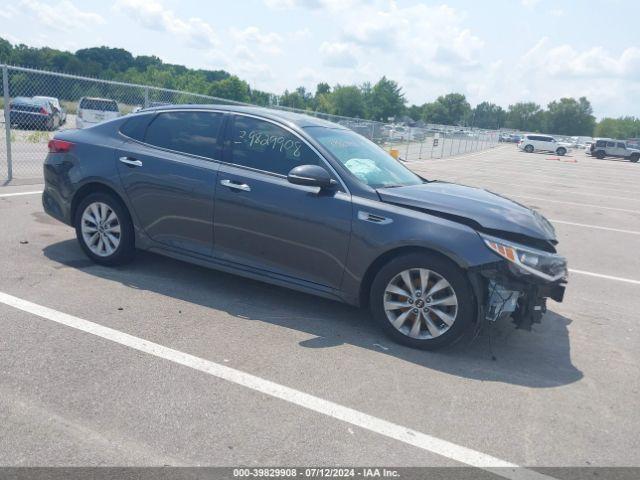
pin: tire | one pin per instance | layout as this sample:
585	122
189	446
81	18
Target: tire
50	124
600	154
561	151
634	158
391	276
528	149
98	205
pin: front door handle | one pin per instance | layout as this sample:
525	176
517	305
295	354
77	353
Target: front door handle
236	186
131	161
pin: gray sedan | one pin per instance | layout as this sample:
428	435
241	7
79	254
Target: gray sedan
306	204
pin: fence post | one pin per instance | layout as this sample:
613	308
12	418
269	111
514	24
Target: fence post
7	120
406	156
146	97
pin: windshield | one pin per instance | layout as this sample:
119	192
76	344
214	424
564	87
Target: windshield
363	158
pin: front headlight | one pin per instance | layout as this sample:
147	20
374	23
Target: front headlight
548	266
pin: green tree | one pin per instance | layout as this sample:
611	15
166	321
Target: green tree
488	115
385	100
622	128
450	109
526	116
347	101
231	88
295	99
323	88
569	116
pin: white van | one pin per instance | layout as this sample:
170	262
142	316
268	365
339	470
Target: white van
92	111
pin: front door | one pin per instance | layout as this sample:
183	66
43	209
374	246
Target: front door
170	178
262	221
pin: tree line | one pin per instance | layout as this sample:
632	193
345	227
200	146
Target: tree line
381	101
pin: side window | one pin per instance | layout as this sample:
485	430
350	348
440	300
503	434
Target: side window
601	143
621	145
188	132
135	127
264	146
611	144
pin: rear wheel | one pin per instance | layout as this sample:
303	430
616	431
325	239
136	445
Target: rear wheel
422	301
528	149
561	151
104	229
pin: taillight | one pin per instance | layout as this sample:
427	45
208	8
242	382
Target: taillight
59	146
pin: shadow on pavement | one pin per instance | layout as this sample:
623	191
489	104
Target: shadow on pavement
539	359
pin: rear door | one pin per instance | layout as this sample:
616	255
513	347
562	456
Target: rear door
621	149
293	232
168	167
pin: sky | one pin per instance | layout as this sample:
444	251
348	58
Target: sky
499	51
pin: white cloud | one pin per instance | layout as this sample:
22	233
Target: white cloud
596	62
340	55
331	5
153	15
530	3
267	42
62	16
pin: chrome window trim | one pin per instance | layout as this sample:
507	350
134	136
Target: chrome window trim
155	112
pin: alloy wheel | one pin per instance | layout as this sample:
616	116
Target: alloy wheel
420	303
100	229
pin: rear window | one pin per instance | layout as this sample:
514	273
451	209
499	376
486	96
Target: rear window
136	126
188	132
99	105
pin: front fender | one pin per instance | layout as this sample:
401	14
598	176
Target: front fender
400	229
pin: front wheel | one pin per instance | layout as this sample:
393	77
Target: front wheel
599	154
422	301
635	157
561	151
528	149
104	229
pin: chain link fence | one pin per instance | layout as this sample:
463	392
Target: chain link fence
38	103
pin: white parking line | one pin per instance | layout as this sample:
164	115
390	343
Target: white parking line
597	227
607	277
517	195
354	417
581	192
34	192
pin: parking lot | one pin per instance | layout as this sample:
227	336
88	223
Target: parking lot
243	373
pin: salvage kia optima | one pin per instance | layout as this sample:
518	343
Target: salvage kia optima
306	204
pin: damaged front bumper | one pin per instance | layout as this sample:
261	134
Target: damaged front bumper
502	291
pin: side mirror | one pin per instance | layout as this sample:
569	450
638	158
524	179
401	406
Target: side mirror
311	176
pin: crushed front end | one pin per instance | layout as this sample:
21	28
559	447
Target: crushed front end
519	282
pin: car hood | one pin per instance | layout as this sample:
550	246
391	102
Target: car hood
479	208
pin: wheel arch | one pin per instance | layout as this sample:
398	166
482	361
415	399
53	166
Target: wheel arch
384	258
89	188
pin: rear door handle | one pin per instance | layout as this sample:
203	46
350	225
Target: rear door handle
131	161
236	186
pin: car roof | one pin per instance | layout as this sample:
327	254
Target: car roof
98	98
299	119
